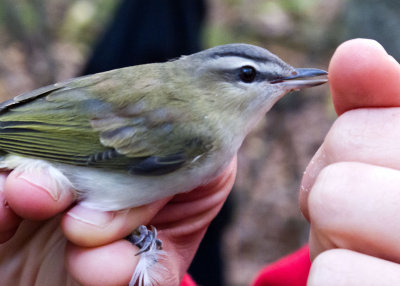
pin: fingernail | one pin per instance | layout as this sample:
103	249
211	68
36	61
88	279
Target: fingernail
43	184
314	167
91	216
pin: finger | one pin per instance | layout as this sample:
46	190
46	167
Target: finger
197	202
362	74
9	221
88	227
345	197
183	227
181	235
362	135
344	267
33	195
108	265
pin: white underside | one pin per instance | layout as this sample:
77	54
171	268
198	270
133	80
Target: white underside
110	191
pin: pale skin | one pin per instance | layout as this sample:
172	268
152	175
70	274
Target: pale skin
351	189
96	253
349	193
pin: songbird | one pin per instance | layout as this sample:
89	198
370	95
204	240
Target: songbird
131	136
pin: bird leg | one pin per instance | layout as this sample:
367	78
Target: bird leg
144	239
149	271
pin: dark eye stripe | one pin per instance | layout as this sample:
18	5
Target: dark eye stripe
269	76
234	75
248	77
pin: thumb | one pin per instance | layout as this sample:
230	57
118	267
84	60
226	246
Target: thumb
362	74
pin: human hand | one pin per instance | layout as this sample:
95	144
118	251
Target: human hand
350	192
89	248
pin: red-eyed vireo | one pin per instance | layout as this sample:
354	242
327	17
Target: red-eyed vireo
131	136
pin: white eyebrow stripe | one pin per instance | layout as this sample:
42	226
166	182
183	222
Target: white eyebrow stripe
232	62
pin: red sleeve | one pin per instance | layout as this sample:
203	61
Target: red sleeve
187	281
291	270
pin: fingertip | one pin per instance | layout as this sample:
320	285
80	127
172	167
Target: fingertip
111	264
88	227
362	74
34	196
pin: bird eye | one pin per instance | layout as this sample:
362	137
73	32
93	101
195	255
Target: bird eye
247	74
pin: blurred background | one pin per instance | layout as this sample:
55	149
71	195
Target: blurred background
44	41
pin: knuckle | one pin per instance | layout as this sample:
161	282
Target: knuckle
344	137
327	195
363	134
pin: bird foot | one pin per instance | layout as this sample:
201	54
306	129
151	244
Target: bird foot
145	239
148	271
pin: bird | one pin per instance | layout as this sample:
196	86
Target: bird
131	136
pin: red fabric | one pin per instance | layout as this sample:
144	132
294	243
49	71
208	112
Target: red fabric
187	281
291	270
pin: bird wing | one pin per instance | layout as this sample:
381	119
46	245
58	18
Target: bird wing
76	123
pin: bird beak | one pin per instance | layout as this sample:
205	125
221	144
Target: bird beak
299	79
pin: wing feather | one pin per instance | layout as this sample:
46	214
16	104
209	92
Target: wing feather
73	123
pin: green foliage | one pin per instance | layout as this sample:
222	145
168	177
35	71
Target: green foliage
78	22
85	19
297	6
